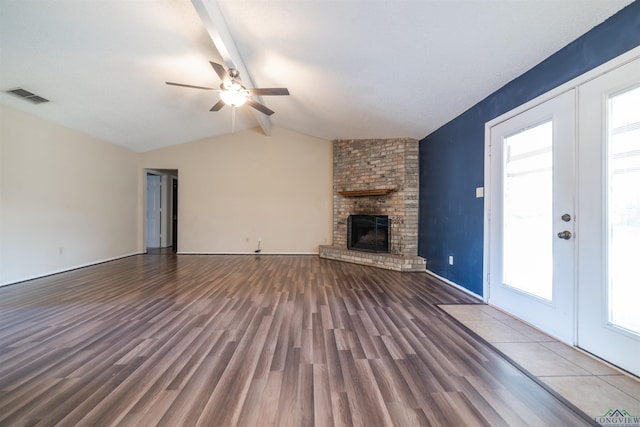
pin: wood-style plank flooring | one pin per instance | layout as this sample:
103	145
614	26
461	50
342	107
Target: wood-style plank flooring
253	341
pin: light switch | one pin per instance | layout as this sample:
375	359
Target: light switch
479	192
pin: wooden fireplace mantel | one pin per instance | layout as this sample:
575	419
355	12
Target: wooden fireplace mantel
365	193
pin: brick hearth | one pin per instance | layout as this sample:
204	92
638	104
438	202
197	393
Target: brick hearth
362	167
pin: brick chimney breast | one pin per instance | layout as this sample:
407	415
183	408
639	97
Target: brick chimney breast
377	164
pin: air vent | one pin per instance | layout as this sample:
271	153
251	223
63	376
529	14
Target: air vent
25	94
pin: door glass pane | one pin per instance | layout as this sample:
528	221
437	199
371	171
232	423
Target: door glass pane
624	210
528	203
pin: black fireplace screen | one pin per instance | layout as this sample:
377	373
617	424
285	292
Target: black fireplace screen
368	233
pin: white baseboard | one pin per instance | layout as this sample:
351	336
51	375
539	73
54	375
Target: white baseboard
455	285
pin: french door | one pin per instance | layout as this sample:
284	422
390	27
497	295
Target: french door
564	216
609	226
532	212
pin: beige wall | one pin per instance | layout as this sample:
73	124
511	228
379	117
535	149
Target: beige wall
66	199
237	188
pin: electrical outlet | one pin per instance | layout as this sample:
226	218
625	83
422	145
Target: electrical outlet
450	259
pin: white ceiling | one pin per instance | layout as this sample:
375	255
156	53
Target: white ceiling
355	68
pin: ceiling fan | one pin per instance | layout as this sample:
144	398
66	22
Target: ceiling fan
233	93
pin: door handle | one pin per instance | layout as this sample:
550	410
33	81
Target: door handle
566	235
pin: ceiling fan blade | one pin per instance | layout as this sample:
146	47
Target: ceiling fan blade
220	71
191	86
218	106
259	107
269	91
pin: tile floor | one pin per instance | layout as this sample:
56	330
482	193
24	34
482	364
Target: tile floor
587	382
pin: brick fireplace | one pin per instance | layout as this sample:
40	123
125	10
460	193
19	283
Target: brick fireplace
377	177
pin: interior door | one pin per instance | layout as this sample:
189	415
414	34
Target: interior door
153	211
531	265
174	213
609	223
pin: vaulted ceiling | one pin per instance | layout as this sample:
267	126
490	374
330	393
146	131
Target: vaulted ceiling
354	68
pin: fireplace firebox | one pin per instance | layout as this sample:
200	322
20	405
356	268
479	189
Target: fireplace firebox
368	233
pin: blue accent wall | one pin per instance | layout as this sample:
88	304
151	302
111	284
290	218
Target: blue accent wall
452	158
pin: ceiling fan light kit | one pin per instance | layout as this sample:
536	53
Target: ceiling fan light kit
233	93
234	96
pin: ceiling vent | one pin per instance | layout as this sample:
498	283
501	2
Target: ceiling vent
25	94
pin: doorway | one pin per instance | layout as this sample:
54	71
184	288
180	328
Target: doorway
174	213
154	210
563	217
532	210
609	227
161	211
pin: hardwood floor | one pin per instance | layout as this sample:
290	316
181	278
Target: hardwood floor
253	341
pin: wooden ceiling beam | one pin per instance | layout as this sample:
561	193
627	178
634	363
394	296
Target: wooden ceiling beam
213	20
